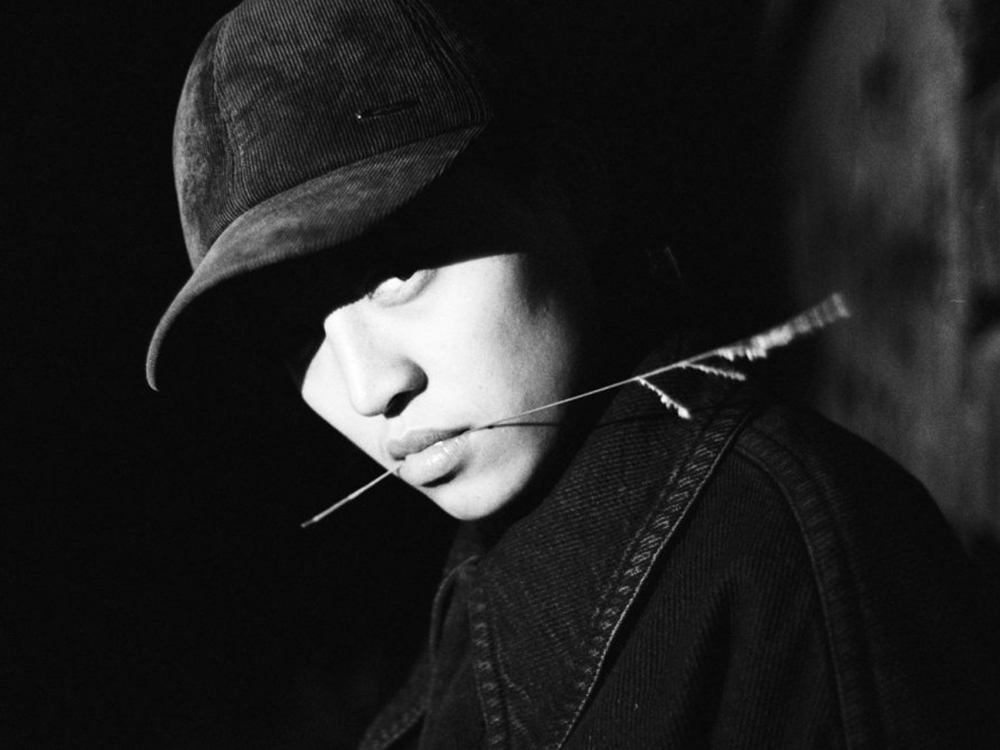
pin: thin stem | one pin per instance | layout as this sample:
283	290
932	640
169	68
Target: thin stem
830	310
340	503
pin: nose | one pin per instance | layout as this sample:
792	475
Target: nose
379	376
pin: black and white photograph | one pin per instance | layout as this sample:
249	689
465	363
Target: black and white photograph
502	374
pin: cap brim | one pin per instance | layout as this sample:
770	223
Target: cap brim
317	215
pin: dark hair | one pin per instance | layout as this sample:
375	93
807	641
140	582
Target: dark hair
635	274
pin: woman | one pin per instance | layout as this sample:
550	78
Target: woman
670	563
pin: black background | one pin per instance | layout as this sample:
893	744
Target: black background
157	589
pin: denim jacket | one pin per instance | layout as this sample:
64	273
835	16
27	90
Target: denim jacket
750	577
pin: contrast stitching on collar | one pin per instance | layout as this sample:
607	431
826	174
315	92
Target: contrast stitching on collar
683	455
487	682
647	544
513	614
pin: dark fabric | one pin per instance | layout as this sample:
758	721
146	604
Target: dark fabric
752	577
453	714
301	125
282	93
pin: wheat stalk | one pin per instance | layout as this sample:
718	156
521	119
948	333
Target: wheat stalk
682	411
829	311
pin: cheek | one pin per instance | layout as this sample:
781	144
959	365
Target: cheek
521	354
543	337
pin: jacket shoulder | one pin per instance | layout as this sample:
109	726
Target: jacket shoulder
802	450
853	505
901	605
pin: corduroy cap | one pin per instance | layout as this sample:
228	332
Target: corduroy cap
303	123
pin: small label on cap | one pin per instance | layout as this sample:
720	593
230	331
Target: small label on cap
383	110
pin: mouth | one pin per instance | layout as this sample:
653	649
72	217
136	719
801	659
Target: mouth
429	456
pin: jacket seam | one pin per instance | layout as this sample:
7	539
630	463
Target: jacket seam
646	547
484	670
860	732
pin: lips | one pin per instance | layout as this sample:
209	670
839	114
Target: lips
428	455
417	441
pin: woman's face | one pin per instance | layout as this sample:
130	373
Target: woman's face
406	371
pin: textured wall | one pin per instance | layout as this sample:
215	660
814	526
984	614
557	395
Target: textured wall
894	179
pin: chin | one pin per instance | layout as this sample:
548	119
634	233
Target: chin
497	475
468	505
473	498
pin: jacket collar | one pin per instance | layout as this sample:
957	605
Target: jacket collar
547	600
